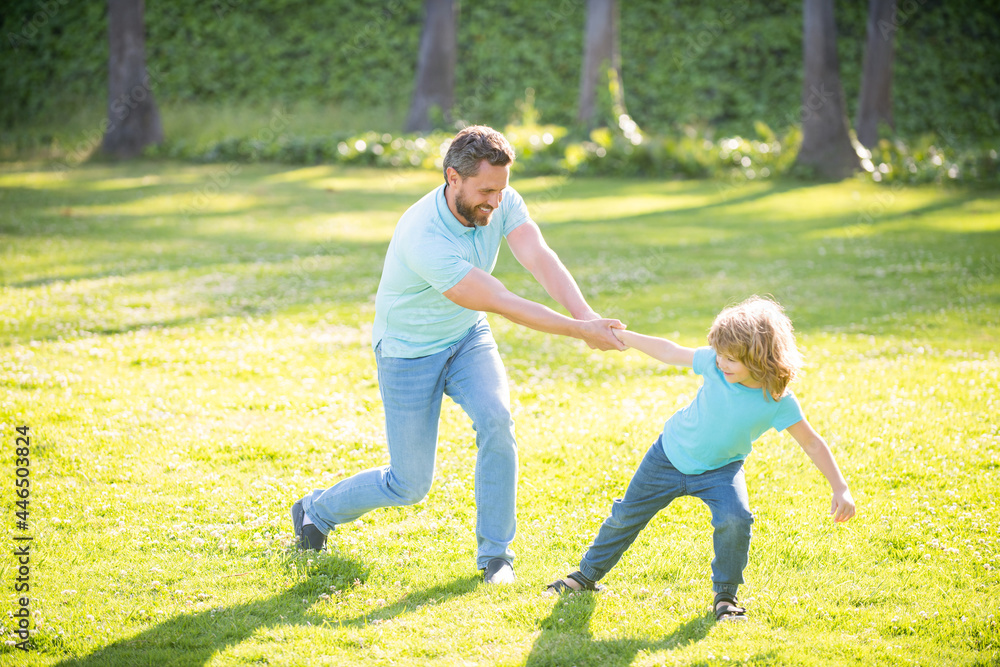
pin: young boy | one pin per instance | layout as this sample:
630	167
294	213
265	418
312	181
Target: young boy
751	359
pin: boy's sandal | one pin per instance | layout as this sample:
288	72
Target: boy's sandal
586	584
728	611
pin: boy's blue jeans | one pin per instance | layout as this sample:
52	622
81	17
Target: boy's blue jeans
472	374
655	484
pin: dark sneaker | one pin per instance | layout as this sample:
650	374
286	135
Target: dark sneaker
499	571
306	537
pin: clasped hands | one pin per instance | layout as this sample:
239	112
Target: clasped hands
599	334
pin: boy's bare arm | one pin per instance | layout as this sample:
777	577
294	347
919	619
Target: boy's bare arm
842	507
661	349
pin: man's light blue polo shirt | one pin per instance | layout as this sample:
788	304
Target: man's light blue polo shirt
721	423
430	252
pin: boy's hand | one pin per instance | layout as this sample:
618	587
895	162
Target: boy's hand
842	508
618	336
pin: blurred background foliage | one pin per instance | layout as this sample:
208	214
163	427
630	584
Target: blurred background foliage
696	75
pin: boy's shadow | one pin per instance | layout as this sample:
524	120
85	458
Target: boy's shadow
566	638
192	639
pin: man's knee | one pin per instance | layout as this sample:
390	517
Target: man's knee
407	491
496	420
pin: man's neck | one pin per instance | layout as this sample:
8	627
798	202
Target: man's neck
450	200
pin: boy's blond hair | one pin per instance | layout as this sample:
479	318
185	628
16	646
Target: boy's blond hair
759	334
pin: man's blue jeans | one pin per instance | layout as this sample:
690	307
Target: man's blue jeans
655	484
472	374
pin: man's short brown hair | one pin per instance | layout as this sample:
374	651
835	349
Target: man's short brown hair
473	145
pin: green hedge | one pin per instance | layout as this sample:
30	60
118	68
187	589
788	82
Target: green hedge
720	64
622	151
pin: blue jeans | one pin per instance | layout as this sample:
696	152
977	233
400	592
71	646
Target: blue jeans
472	374
655	484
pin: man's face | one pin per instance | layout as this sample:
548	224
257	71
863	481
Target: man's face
476	197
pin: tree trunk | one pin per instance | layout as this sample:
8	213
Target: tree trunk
133	119
601	62
826	142
875	103
435	85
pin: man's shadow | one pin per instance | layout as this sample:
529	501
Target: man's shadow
192	639
566	638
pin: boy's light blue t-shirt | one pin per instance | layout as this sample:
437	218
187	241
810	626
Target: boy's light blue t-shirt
430	252
721	423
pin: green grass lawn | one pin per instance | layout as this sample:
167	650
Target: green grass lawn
190	350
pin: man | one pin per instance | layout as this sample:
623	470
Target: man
431	338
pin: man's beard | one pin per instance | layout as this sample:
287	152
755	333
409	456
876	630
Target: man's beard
473	214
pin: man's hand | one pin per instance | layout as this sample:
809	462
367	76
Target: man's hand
598	334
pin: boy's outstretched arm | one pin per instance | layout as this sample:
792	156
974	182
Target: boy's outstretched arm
842	507
662	349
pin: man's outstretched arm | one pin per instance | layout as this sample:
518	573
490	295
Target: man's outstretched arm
530	249
479	290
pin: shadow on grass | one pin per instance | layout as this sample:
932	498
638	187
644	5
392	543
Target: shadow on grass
566	638
413	601
193	639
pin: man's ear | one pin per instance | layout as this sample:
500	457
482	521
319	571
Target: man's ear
453	177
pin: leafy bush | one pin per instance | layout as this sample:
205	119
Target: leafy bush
928	160
688	152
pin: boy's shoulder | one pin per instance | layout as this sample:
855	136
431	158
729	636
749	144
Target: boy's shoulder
789	393
704	360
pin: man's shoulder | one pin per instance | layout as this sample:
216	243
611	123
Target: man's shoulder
511	190
422	218
424	208
513	211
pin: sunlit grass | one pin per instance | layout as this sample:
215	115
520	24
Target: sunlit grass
187	372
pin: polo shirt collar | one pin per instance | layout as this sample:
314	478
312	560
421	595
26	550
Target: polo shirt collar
450	221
